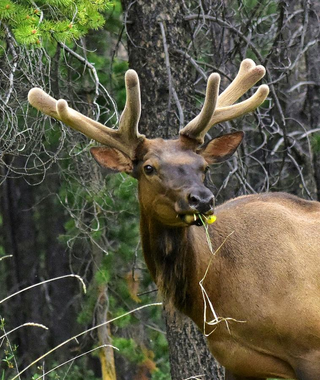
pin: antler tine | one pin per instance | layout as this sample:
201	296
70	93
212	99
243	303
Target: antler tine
248	75
61	111
195	126
236	110
129	120
126	138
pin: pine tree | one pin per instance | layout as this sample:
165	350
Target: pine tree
60	20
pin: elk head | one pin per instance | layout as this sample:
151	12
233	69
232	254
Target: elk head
171	173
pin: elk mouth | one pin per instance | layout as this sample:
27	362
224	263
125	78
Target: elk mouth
196	219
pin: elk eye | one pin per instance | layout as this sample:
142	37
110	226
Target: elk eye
148	169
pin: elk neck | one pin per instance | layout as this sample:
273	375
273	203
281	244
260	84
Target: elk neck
174	262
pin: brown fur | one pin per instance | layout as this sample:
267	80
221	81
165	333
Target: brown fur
266	274
170	263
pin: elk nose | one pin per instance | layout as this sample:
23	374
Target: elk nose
201	201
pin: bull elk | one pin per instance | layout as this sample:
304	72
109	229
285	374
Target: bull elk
264	280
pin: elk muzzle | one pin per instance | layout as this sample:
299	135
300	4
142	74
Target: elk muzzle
201	201
197	201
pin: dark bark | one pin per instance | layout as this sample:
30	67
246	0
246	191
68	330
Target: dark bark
293	106
188	351
155	30
313	76
30	230
60	307
20	241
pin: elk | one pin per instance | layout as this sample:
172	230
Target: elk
262	275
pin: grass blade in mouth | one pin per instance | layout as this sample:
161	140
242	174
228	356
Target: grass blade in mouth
203	221
199	219
209	219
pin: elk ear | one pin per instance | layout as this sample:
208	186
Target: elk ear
221	148
112	159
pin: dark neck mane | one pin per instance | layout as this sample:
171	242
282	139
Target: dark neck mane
169	256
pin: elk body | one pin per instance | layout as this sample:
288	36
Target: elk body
264	277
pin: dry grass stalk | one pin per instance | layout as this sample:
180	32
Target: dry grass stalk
82	333
45	282
206	300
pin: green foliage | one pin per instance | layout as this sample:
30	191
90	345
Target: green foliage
118	223
8	354
315	143
163	373
74	371
261	19
129	349
268	7
103	276
125	321
60	20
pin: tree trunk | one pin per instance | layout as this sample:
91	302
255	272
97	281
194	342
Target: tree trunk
20	241
106	354
36	256
155	30
189	356
60	304
313	76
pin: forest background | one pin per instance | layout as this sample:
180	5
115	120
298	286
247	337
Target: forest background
60	215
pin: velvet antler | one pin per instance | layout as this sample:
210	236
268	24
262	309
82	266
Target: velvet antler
126	138
217	109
